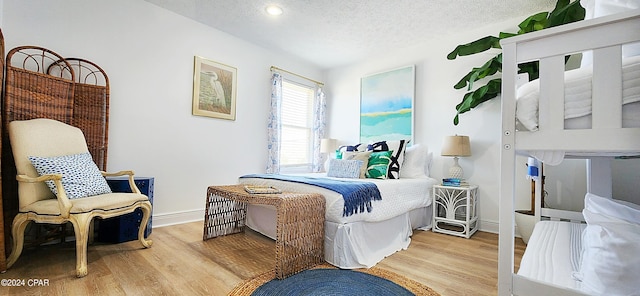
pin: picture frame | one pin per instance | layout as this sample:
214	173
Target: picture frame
214	89
387	105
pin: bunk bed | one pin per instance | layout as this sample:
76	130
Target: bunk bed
606	134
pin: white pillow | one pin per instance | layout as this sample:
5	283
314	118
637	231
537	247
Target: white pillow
610	262
428	163
415	162
599	8
618	209
527	104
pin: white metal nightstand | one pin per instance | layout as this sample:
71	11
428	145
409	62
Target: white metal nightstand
454	210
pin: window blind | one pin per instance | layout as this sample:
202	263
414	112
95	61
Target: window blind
297	114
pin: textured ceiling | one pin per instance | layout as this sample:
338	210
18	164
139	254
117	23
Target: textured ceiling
333	33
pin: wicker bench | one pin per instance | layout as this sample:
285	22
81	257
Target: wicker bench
299	225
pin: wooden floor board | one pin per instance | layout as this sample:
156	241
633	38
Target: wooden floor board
181	263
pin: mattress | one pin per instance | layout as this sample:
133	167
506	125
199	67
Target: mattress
398	196
578	98
554	253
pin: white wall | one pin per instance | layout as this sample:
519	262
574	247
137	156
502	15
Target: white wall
626	178
434	111
148	54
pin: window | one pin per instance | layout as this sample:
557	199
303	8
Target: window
297	126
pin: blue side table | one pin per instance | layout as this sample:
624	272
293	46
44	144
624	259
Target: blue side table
125	228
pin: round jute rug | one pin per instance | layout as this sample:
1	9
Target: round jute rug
328	280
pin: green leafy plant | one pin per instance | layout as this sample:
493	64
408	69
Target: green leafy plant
565	12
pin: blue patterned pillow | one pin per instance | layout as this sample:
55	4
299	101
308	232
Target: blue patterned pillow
80	175
343	168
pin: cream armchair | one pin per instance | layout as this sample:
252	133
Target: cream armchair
50	151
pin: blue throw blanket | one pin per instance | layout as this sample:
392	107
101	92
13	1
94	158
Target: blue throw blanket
357	194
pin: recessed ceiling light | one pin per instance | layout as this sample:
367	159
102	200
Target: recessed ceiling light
274	10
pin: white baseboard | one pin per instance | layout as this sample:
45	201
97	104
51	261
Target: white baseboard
162	220
493	227
489	226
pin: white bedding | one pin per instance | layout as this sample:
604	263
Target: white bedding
578	91
578	97
398	196
553	253
363	239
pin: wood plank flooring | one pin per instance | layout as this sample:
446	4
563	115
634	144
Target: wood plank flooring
181	263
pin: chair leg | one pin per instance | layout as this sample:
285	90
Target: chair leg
81	228
20	222
146	215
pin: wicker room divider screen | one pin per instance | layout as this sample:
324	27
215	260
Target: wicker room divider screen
3	255
40	83
90	105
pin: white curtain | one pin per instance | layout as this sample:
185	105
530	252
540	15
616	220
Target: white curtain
319	126
274	128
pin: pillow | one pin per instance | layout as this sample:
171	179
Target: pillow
364	156
80	175
618	209
348	148
415	162
343	168
610	262
428	163
378	165
599	8
356	147
397	158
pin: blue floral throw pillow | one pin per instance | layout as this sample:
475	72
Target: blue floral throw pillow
80	175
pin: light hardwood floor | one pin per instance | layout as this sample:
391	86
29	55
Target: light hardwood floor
181	263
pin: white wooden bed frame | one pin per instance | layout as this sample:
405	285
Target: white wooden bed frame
607	138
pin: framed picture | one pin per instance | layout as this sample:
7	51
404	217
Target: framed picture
386	105
214	89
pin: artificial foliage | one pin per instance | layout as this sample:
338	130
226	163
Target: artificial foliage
564	12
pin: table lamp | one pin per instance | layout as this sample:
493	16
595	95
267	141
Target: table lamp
456	146
328	146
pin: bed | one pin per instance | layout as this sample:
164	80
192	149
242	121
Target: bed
606	127
361	239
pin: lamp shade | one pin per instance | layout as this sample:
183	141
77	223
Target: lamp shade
327	145
456	146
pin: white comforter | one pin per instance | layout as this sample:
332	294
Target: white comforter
578	95
577	105
398	196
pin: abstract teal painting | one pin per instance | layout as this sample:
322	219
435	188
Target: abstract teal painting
386	105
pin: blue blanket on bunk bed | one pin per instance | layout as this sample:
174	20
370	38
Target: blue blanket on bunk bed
357	195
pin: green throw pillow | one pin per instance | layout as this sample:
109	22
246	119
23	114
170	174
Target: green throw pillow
378	165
